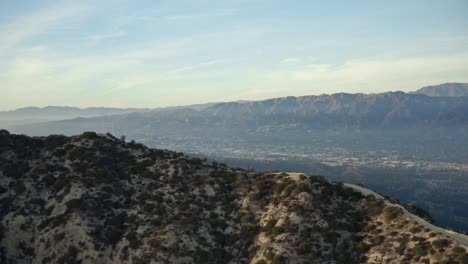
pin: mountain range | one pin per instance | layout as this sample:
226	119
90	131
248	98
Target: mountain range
446	89
341	110
29	115
385	111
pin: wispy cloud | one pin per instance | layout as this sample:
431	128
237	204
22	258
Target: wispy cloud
385	71
98	37
291	60
23	28
366	75
192	16
88	51
136	66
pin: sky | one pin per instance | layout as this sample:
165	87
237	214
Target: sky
162	53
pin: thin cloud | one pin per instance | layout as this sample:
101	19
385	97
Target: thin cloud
98	37
214	14
361	75
22	29
291	60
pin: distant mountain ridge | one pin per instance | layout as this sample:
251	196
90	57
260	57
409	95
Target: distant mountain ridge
446	89
322	111
391	110
30	115
66	111
51	113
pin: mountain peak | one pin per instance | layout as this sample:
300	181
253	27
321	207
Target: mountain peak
445	89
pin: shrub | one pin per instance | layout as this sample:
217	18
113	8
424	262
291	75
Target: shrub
375	207
304	248
70	256
278	259
277	230
440	243
53	141
415	229
279	187
458	250
419	251
249	229
391	212
89	135
19	188
463	258
269	225
377	240
73	204
59	237
154	243
362	247
133	241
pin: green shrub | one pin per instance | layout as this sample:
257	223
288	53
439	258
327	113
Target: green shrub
304	248
269	225
391	212
154	243
19	188
440	243
89	135
375	207
73	204
53	141
277	230
377	240
419	251
362	247
415	229
279	187
463	258
458	250
70	257
59	237
250	229
278	259
132	238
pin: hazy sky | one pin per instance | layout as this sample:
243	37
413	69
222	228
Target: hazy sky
159	53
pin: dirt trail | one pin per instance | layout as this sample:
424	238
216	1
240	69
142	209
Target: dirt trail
460	238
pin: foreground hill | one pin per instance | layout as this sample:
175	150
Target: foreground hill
96	199
446	89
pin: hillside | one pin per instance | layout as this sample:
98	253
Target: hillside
446	89
96	199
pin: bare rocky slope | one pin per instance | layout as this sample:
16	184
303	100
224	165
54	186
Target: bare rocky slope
96	199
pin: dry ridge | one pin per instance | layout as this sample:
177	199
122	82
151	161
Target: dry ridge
97	199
